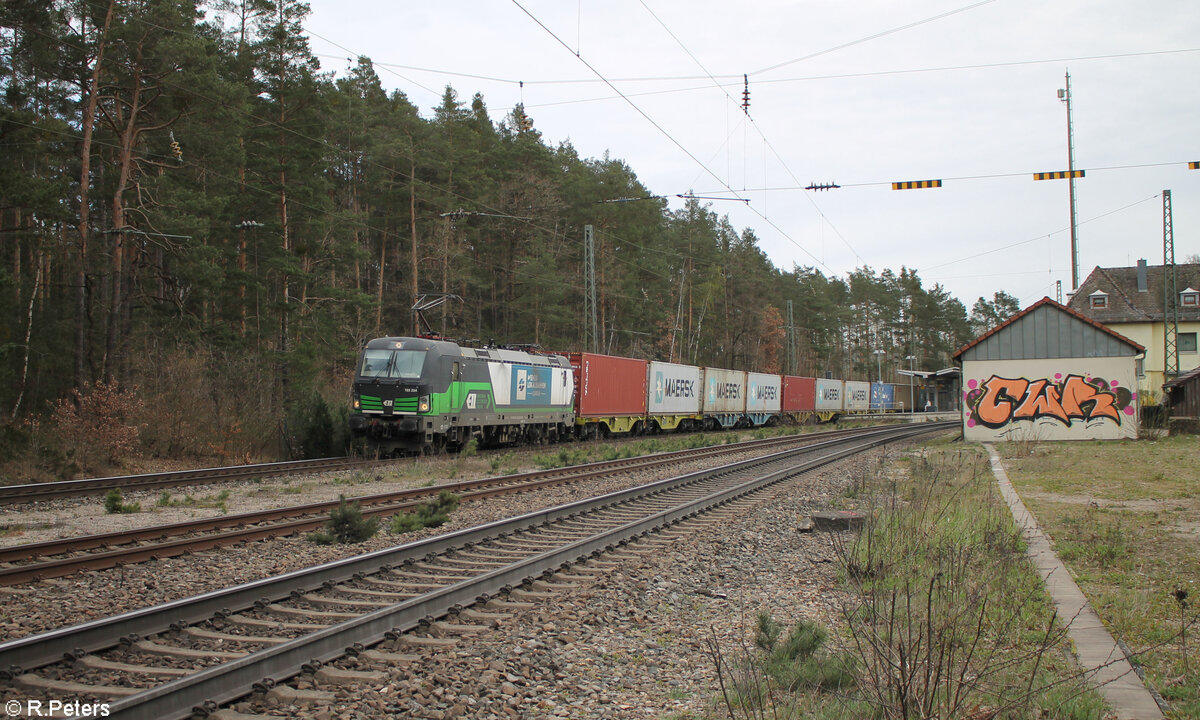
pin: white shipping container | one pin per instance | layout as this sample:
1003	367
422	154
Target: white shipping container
764	393
724	391
829	394
673	389
858	395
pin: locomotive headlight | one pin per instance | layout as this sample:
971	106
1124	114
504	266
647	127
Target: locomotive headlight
357	403
423	404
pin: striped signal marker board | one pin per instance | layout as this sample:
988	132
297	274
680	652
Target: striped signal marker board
1059	175
916	184
1194	166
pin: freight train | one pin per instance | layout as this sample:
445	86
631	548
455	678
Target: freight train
423	395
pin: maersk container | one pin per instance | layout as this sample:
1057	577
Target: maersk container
763	393
673	389
724	391
607	386
799	394
883	397
830	395
858	395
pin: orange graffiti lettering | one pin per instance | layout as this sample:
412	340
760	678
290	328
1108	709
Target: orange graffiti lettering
1005	400
1000	395
1077	394
1041	400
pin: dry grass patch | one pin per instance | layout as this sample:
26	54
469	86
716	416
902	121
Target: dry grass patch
1123	517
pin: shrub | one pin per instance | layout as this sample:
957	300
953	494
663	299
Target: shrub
95	425
430	514
114	503
346	525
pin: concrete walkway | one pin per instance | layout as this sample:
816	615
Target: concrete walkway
1095	648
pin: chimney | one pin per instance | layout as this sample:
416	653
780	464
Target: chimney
1142	276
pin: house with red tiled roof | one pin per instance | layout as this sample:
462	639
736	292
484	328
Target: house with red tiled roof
1130	301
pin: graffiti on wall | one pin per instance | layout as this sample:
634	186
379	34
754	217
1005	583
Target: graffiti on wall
999	401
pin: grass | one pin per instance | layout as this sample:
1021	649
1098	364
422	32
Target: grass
219	501
1124	518
946	617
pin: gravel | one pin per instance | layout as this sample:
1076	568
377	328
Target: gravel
635	643
632	644
52	603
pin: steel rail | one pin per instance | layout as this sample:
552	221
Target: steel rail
249	525
32	492
220	684
44	648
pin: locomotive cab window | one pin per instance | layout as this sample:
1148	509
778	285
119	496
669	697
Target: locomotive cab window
404	364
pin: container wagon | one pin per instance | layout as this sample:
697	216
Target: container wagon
857	395
883	397
764	398
830	400
673	399
799	398
724	403
610	394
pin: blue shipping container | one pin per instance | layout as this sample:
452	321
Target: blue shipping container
883	396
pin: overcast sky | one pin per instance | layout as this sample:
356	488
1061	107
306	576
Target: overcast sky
861	94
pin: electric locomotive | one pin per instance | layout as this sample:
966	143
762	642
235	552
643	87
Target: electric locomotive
419	395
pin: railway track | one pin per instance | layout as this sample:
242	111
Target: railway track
33	492
57	558
193	655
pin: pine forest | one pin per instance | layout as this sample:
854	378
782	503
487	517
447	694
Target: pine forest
201	228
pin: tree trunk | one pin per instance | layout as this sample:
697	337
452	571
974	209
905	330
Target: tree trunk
113	352
37	283
88	123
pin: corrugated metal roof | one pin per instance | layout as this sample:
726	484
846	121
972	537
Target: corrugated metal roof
1048	330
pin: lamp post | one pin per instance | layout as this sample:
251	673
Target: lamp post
879	365
911	399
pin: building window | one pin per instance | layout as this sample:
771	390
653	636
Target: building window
1098	300
1186	342
1140	367
1189	298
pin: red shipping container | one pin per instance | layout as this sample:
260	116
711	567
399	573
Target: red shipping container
607	386
799	394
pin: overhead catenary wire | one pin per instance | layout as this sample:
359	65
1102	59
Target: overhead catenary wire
670	137
767	143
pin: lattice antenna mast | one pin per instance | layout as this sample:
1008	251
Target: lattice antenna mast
591	333
791	340
1170	295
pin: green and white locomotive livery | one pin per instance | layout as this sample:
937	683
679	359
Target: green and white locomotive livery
416	395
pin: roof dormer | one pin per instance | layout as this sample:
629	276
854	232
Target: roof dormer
1098	300
1189	298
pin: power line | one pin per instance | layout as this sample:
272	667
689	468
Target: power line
989	176
869	38
667	134
761	134
1039	237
